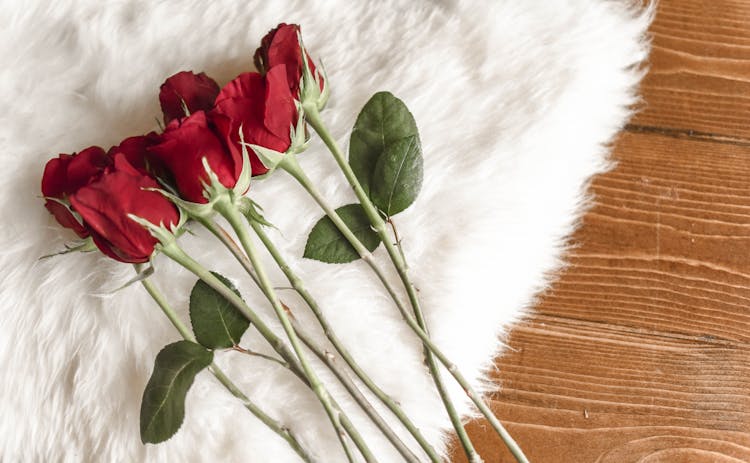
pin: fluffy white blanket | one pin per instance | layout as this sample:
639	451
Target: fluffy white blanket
516	102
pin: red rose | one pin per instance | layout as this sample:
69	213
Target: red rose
184	144
265	109
281	46
135	150
104	206
67	173
196	91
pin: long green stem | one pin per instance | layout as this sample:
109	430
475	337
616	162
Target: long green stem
296	335
299	286
293	168
230	213
227	240
281	430
229	243
330	361
313	117
342	425
269	358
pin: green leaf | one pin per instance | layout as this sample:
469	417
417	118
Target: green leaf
327	244
383	120
163	404
398	176
217	324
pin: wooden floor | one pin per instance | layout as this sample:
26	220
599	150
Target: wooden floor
640	352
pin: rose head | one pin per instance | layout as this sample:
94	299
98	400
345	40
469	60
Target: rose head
65	175
136	152
196	92
281	46
265	109
106	203
184	144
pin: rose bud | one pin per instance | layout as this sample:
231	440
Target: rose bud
265	109
106	203
186	90
184	144
64	175
136	152
281	46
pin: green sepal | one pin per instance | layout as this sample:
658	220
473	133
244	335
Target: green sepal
253	211
81	245
270	158
246	174
162	233
311	95
142	275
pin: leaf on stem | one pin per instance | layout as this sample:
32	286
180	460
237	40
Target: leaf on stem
163	403
217	324
398	176
383	120
327	244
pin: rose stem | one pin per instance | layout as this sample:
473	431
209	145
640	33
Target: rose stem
251	353
293	168
299	286
341	423
313	117
398	241
283	432
295	334
325	357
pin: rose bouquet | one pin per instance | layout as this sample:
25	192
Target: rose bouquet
133	201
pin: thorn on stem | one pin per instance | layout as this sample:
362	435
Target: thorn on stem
288	311
239	348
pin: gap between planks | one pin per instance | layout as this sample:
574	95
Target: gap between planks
687	134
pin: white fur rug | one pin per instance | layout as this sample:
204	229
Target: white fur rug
516	103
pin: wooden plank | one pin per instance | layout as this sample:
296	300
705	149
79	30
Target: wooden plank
699	78
615	408
585	392
640	352
644	342
665	248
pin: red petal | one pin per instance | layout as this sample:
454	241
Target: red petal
65	218
182	150
197	91
136	150
85	167
54	179
105	204
285	49
280	110
246	85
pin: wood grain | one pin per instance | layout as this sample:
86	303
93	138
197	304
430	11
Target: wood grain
640	352
700	68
